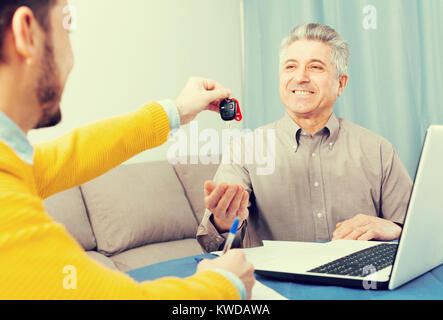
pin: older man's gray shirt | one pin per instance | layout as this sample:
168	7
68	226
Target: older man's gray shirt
318	181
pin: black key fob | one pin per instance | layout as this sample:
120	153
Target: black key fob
228	109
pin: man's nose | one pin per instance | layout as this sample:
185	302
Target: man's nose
301	76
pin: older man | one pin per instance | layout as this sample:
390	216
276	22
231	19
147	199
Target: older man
332	178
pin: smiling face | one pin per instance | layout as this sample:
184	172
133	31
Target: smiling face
308	83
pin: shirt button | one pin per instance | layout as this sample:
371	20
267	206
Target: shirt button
316	184
319	215
314	154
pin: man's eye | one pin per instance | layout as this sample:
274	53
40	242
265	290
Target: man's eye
289	67
316	67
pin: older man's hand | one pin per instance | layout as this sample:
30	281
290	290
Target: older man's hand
226	203
364	227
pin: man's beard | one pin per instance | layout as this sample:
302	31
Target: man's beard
49	91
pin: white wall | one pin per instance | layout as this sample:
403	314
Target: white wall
131	52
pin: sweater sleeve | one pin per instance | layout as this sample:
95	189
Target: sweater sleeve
40	260
90	151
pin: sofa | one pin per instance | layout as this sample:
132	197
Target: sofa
136	214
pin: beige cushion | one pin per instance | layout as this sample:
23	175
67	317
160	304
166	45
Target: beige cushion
155	253
193	178
102	259
138	204
68	209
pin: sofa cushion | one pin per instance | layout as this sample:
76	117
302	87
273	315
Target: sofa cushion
155	253
138	204
68	209
102	259
193	178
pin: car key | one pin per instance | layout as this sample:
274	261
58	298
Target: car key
230	110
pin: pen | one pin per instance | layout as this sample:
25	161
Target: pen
231	236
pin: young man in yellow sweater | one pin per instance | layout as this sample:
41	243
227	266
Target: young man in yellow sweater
35	61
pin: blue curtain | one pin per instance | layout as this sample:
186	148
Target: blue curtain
396	71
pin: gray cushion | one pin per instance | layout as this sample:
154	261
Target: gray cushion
193	178
102	259
138	204
155	253
68	209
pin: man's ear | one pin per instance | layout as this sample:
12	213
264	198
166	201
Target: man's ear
342	82
25	34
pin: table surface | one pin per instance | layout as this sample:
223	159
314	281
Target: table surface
427	287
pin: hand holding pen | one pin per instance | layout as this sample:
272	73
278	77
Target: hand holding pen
231	236
233	261
229	239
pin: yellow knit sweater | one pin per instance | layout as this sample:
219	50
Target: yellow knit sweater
36	252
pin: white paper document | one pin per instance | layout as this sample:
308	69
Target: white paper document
258	256
284	255
294	257
262	292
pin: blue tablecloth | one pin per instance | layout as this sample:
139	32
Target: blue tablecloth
427	287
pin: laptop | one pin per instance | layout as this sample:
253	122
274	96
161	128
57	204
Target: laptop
372	264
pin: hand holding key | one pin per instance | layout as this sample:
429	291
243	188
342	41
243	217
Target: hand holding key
200	94
226	202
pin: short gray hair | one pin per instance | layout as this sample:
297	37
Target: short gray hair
320	32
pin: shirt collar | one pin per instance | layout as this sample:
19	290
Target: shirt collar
333	125
331	128
12	136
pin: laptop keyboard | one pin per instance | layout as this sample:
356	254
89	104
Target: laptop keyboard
361	263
